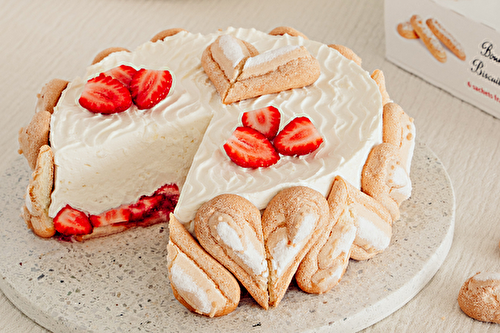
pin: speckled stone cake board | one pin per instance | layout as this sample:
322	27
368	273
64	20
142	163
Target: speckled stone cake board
120	283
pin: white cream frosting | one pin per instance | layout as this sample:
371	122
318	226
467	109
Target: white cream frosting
104	161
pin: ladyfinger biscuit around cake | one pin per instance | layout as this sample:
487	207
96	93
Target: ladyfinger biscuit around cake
405	29
271	72
50	94
428	38
327	260
379	78
166	33
198	281
32	137
106	52
385	179
446	38
372	221
399	130
291	224
346	52
229	228
279	31
479	297
37	200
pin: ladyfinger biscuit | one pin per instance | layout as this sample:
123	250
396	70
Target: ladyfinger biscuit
399	130
271	72
229	228
37	200
106	52
215	70
32	137
385	179
198	281
379	78
291	224
373	224
347	52
405	29
166	33
446	38
326	262
279	31
50	94
428	38
479	297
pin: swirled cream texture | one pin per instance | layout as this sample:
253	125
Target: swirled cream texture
104	161
344	104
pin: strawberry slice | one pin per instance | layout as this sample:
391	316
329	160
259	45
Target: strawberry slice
150	87
122	73
249	148
168	190
146	206
104	94
70	221
265	120
118	215
298	137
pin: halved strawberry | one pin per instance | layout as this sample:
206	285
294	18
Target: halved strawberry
117	215
265	120
104	94
298	137
70	221
122	73
249	148
149	87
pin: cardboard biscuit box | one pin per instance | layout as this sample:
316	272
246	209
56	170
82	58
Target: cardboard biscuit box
471	28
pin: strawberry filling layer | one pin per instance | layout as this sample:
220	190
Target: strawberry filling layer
146	211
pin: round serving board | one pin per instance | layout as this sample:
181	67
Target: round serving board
120	284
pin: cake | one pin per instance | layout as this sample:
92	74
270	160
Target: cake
161	154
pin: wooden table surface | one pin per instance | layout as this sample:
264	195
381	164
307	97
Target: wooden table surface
41	40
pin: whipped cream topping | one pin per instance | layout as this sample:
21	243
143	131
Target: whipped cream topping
104	161
485	276
344	104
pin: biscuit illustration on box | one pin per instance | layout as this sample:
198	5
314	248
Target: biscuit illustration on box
446	38
432	33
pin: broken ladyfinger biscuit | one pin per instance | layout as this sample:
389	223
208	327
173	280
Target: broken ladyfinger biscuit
198	281
229	228
327	260
446	38
37	199
246	76
479	297
385	179
279	31
399	130
106	52
405	29
428	38
379	78
372	221
347	52
32	137
166	33
291	224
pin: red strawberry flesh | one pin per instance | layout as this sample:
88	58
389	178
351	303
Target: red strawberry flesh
104	94
298	137
150	87
122	73
249	148
70	221
265	120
